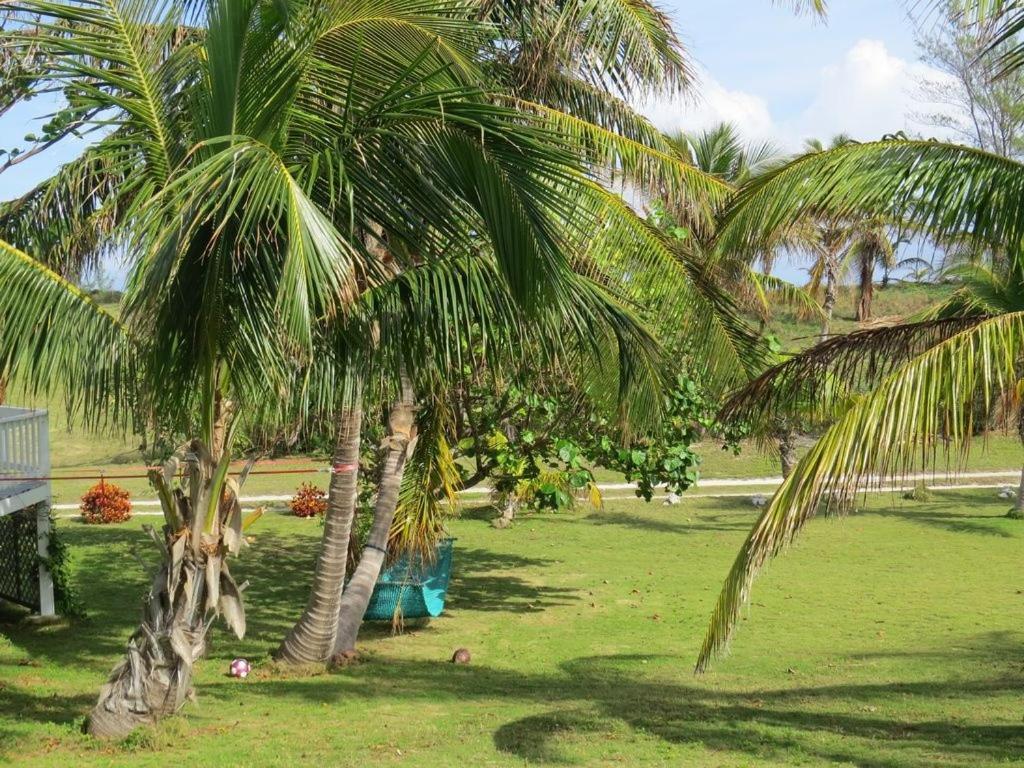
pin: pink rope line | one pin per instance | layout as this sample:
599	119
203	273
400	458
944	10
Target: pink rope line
106	476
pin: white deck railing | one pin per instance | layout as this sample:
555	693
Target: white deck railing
24	450
24	469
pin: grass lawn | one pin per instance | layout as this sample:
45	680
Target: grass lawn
84	455
893	637
899	300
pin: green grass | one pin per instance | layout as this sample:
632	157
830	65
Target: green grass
899	300
890	638
996	451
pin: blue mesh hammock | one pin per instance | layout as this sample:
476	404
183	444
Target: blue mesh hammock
412	588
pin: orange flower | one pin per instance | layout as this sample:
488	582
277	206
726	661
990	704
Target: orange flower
106	503
309	501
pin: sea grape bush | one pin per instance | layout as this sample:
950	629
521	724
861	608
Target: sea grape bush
542	448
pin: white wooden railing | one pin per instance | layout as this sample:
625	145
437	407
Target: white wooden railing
24	450
24	472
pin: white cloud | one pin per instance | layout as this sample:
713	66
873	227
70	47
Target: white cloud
712	103
868	93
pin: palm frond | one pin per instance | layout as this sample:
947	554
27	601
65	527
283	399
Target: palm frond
887	433
946	189
1000	23
770	291
429	486
859	359
113	52
816	7
57	341
67	221
642	156
622	46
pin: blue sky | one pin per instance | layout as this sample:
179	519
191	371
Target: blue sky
786	77
779	76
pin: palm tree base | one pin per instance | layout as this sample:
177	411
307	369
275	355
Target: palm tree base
1015	514
113	726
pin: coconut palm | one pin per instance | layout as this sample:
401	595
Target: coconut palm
358	144
721	152
841	245
922	385
256	159
872	249
574	66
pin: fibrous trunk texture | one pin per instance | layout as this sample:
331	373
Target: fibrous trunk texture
356	596
1017	513
203	525
829	303
867	291
787	450
312	638
508	514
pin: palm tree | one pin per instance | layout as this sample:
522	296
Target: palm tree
872	248
841	245
255	161
573	65
340	155
921	385
721	152
926	382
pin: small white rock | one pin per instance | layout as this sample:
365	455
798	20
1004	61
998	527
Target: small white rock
1007	493
671	500
759	500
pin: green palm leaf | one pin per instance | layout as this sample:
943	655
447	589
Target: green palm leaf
884	434
57	340
946	189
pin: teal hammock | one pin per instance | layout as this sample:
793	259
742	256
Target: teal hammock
412	588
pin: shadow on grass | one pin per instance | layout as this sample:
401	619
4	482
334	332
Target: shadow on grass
483	580
279	569
584	698
988	649
989	520
591	696
43	709
686	522
483	512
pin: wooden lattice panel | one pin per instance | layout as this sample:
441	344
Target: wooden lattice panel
19	558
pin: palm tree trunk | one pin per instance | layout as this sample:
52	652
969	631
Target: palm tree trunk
867	289
829	303
1017	512
312	638
155	677
400	443
203	524
787	450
